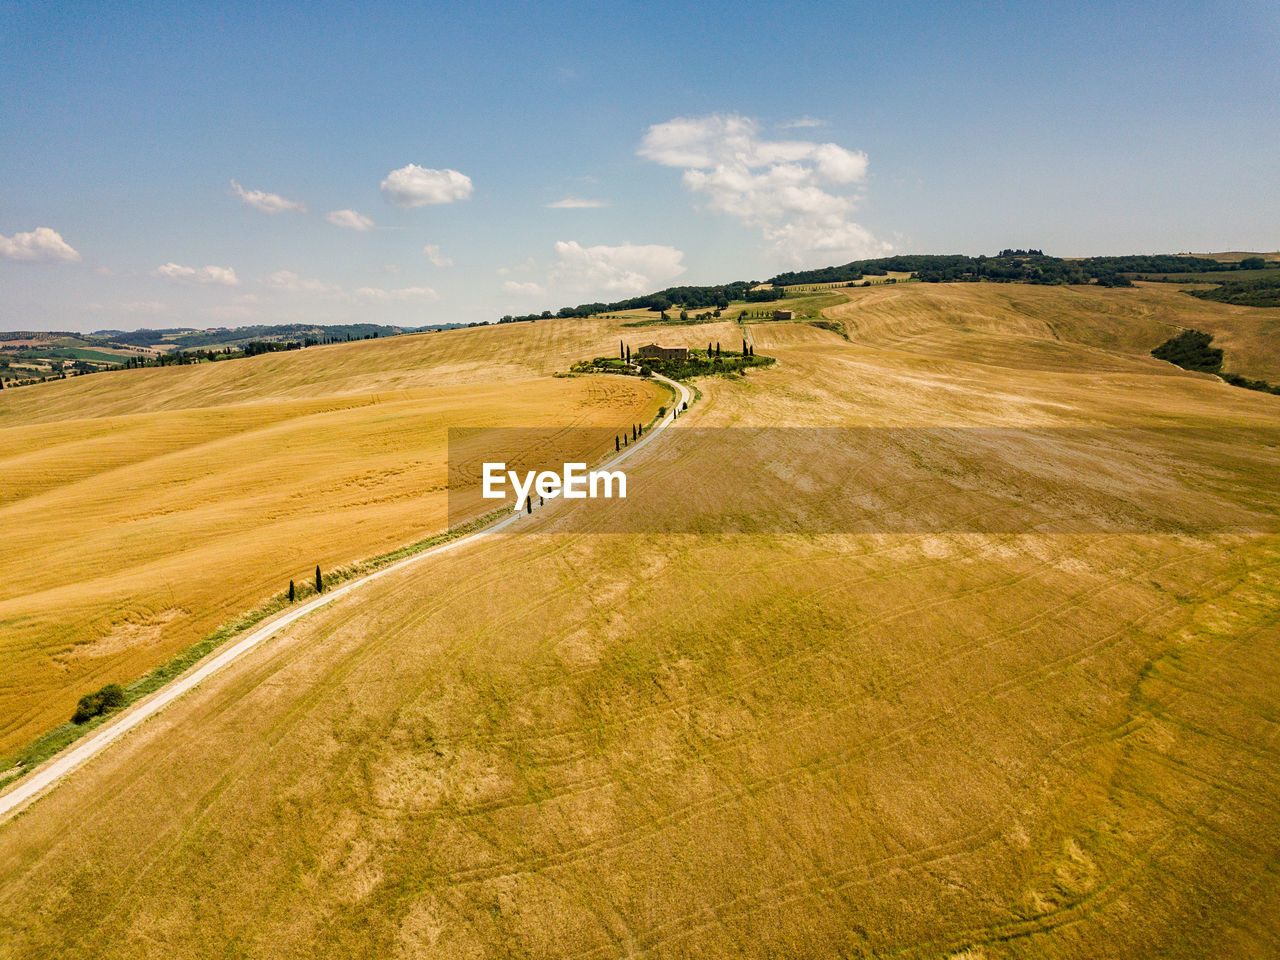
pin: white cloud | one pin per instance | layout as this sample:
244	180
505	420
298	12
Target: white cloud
628	269
802	122
289	282
415	186
349	220
529	289
433	254
210	274
403	294
576	203
265	202
777	186
41	244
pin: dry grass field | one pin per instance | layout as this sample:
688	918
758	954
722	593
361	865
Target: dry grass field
565	743
140	509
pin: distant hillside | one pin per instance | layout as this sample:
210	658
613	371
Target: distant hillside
186	338
1021	266
34	356
1260	292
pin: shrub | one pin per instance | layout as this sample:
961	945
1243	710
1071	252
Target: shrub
111	697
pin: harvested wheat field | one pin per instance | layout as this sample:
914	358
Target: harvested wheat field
685	726
141	509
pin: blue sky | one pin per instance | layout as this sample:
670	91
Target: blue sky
403	164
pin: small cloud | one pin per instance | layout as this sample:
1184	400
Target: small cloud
415	186
576	203
349	220
225	276
433	254
401	295
523	267
265	202
40	245
289	282
529	289
625	269
802	122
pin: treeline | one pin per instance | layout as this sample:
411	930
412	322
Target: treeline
687	298
1263	292
1015	266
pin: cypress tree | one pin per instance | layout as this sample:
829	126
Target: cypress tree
717	348
633	431
628	354
528	505
292	592
617	444
622	352
319	582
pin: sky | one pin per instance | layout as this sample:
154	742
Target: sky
200	165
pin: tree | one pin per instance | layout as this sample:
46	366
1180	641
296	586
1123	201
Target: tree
292	592
744	346
1252	263
717	348
684	314
622	351
319	581
528	505
628	353
633	431
617	444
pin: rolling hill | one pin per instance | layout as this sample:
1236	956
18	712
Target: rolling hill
1020	703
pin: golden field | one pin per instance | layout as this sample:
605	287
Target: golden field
562	743
140	509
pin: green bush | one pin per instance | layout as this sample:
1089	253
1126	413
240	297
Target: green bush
111	697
